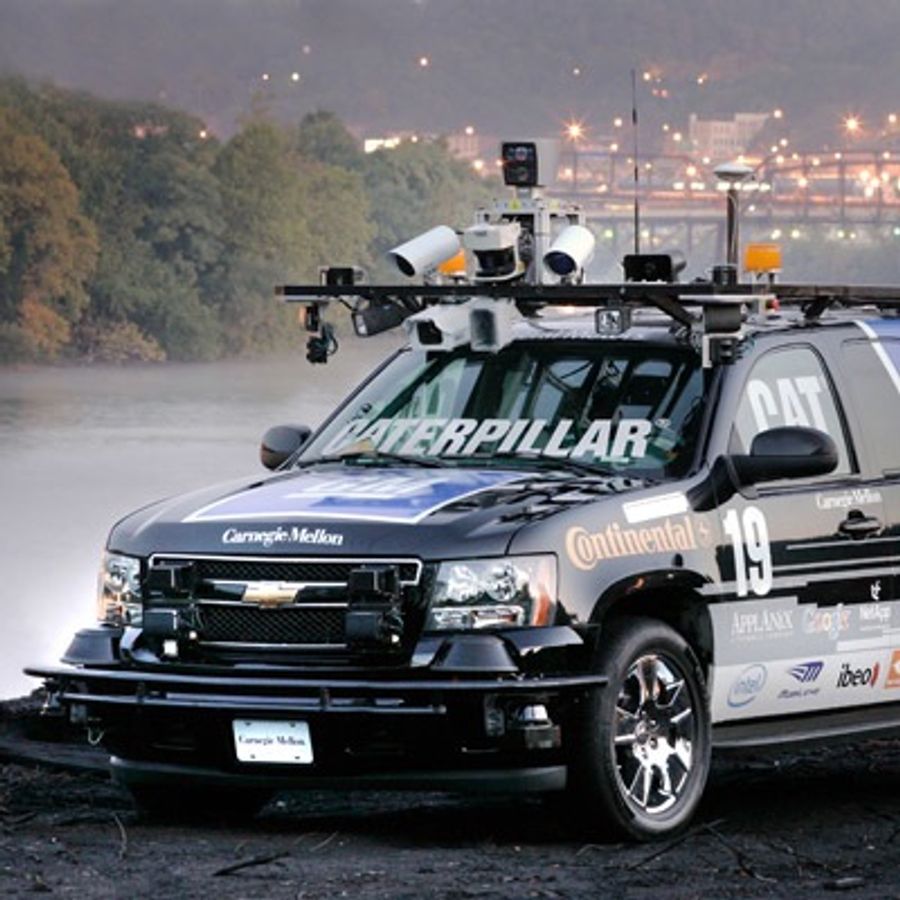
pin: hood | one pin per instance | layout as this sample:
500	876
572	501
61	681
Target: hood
339	510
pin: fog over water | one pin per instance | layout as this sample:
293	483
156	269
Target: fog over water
81	447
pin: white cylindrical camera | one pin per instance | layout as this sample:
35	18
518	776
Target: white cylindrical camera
427	251
571	251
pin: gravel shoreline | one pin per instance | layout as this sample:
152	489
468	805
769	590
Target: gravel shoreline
795	825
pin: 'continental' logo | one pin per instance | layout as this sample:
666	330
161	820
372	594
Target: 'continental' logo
585	549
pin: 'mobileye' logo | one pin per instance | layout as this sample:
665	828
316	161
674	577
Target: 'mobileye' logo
747	686
860	677
807	672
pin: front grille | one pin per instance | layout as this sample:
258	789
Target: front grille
316	617
234	623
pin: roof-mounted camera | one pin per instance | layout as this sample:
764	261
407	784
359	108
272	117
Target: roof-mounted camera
529	164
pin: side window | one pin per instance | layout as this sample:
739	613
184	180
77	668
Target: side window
789	387
868	367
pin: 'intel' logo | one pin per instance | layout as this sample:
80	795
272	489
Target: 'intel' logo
808	671
747	685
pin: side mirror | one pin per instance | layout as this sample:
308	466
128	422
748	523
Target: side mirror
787	452
281	442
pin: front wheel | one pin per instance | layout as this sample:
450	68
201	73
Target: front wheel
643	756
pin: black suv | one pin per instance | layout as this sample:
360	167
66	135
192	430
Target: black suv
581	561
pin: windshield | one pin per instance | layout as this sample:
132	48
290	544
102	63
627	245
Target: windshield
611	406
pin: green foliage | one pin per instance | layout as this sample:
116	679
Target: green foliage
127	234
323	137
47	247
415	187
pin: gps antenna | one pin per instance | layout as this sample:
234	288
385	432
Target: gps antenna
634	129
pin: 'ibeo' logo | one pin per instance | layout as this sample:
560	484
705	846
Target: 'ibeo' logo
747	686
862	677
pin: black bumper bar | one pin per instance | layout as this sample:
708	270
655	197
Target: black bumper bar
262	691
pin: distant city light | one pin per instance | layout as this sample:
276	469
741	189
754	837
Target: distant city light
306	49
295	76
852	125
424	62
665	126
470	130
802	181
574	130
266	76
691	171
576	71
702	78
783	142
647	75
613	148
203	134
677	137
617	122
778	113
892	118
816	161
838	155
795	233
478	165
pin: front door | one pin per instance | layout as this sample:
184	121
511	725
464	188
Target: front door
805	564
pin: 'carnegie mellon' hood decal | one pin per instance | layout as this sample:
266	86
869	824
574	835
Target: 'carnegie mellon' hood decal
384	495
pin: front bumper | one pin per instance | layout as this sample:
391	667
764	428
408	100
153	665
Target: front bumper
423	728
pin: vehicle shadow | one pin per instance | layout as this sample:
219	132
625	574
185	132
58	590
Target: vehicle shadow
825	789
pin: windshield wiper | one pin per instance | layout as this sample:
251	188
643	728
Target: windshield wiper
377	456
547	462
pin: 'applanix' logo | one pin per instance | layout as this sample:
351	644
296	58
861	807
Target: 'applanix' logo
293	535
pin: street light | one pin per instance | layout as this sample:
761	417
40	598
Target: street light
574	133
852	125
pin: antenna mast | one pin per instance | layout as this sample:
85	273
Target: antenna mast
634	129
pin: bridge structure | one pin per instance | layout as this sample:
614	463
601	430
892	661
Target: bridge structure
846	194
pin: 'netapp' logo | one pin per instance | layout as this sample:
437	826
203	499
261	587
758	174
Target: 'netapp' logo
294	535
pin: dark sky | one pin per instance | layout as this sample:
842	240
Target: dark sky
501	65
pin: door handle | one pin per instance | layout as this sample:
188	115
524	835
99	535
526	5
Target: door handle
860	526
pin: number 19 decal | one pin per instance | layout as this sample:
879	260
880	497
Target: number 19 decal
752	554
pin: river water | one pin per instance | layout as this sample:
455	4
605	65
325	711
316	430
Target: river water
81	447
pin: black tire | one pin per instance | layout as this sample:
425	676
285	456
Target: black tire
621	785
168	803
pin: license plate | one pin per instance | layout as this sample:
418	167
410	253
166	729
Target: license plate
260	741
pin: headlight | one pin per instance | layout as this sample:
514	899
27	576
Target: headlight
493	593
119	590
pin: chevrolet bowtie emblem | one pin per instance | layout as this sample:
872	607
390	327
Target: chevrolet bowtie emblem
269	593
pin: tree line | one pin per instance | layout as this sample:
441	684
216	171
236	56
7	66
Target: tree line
129	233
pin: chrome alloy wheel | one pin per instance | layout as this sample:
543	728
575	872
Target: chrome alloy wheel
654	734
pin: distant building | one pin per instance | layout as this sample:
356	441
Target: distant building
724	139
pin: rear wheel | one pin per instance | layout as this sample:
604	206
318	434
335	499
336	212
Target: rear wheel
643	757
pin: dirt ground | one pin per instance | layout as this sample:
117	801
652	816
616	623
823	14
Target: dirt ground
798	825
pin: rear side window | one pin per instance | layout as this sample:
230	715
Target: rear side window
876	401
789	386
